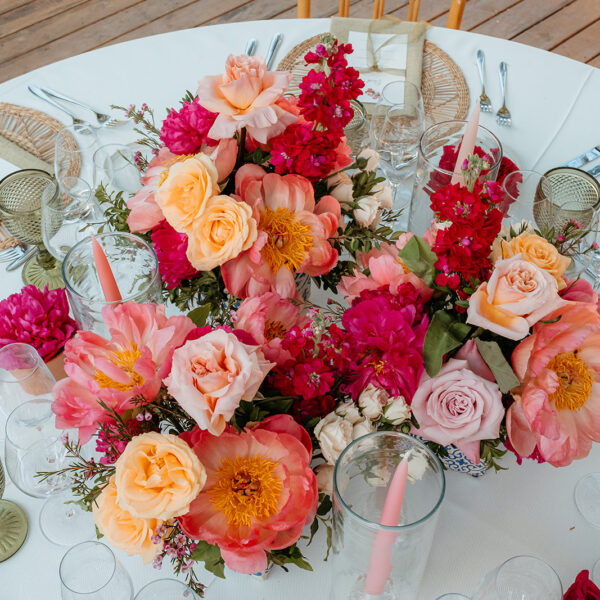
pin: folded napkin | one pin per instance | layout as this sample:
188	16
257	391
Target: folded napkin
19	157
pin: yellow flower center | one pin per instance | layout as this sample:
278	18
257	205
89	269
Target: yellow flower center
274	329
246	489
288	239
575	380
378	366
125	360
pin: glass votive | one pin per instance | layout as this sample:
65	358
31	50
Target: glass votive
361	479
437	151
166	589
134	266
114	165
523	577
527	197
23	376
356	129
91	570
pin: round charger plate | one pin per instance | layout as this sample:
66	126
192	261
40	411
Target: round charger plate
13	528
443	86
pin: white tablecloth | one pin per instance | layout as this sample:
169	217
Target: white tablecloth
525	510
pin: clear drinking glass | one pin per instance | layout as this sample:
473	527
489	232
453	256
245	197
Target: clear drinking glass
74	148
166	589
68	215
134	265
522	577
440	144
115	167
23	376
90	570
587	498
528	196
33	445
361	479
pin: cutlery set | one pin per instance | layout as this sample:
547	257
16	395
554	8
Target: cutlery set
503	116
271	52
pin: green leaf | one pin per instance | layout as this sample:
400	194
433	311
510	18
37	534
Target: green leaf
290	555
199	315
324	505
210	555
445	333
499	366
419	258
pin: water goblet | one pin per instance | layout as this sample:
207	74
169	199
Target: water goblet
91	570
114	165
21	211
528	197
166	588
74	149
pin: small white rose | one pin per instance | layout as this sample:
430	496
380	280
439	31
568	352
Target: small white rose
341	188
384	195
372	400
349	411
367	211
397	411
324	473
417	465
362	428
337	179
333	433
372	158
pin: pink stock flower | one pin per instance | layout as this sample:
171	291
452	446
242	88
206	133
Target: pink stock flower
39	318
245	96
185	130
268	318
267	511
293	234
461	405
131	364
557	407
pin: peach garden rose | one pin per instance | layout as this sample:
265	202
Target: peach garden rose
157	476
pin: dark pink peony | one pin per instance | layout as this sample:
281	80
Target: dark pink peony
185	130
39	318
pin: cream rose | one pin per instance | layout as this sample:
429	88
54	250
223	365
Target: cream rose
343	189
517	295
372	158
223	230
383	194
182	196
209	376
397	411
372	400
361	428
367	211
333	433
130	534
324	473
349	411
157	476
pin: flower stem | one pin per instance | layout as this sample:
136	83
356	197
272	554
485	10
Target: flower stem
240	156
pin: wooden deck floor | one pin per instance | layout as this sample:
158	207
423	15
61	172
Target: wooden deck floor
34	33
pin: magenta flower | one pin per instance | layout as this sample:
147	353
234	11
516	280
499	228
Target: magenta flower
39	318
185	130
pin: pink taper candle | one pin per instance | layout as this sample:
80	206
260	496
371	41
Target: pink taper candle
467	145
110	289
380	565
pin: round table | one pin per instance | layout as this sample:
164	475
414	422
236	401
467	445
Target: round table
527	509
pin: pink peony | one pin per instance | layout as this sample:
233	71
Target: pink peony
131	364
39	318
212	374
293	234
286	424
171	247
461	405
579	290
259	494
246	96
185	130
268	318
557	407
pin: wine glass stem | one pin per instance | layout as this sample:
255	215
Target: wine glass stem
44	258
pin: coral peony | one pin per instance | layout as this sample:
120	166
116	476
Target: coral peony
293	234
260	492
130	365
268	318
557	407
39	318
185	130
245	96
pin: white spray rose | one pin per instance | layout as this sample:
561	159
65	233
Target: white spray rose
324	473
367	211
362	428
372	400
397	411
372	158
342	189
349	411
333	433
384	195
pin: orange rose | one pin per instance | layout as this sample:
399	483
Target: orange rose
130	534
183	194
223	230
540	252
157	476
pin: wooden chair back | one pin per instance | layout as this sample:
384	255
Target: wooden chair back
455	14
343	10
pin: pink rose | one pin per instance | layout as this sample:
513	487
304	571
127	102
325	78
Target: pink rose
212	374
461	405
517	296
245	96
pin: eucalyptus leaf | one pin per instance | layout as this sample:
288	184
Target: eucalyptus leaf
445	333
499	366
419	258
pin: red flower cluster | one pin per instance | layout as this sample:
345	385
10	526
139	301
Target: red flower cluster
185	130
463	247
583	588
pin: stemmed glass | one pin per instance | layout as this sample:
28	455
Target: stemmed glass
114	165
34	446
91	570
453	596
166	588
74	149
528	196
523	577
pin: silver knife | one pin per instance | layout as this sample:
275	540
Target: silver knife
273	49
584	158
22	259
250	47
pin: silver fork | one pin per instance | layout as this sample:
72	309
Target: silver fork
250	47
104	120
503	116
80	125
484	101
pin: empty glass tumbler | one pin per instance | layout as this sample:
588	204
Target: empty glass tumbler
361	479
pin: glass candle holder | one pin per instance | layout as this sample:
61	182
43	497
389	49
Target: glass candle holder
361	479
134	266
164	589
437	151
356	129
